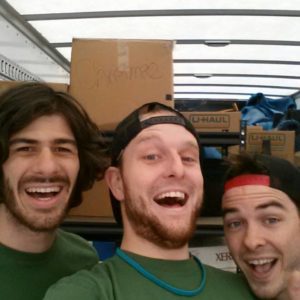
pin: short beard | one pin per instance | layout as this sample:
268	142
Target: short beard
32	222
152	229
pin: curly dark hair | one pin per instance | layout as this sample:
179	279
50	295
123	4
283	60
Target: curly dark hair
26	102
245	163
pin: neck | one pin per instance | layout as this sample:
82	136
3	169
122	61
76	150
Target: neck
16	236
284	295
138	245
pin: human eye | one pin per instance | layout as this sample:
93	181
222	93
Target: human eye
24	149
189	158
62	149
272	220
65	149
151	157
233	224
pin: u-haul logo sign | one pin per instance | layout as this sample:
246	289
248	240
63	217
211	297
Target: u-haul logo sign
276	138
210	121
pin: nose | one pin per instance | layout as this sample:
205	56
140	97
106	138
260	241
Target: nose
174	166
46	163
253	237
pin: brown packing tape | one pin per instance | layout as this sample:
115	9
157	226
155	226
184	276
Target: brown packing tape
123	56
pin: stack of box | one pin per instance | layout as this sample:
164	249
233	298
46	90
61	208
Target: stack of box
282	143
111	78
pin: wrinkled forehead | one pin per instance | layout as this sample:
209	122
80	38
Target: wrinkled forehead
253	194
170	134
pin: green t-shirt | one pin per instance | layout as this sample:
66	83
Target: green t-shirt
115	279
27	276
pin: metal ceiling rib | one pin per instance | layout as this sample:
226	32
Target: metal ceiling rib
163	13
204	53
12	16
197	42
233	85
237	61
241	75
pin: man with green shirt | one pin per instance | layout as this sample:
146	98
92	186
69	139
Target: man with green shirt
156	189
50	151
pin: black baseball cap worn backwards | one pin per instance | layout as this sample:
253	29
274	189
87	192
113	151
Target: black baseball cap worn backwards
132	125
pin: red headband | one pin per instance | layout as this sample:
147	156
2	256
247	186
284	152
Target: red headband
247	179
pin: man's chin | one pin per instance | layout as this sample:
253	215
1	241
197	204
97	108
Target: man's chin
39	223
39	226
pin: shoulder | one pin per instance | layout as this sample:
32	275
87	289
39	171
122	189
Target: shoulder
85	284
70	239
75	246
237	282
224	275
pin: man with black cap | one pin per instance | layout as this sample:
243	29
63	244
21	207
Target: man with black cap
262	224
156	188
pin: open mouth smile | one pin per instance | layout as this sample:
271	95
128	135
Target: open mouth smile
43	193
171	199
262	267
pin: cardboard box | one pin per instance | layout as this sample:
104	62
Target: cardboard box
4	85
113	77
96	203
282	142
215	121
216	256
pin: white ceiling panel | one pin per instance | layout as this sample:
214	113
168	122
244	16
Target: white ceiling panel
294	83
235	48
56	6
214	96
238	68
183	27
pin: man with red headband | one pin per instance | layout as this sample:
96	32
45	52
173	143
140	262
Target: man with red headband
262	223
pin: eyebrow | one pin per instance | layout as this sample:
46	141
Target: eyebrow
33	141
259	207
270	204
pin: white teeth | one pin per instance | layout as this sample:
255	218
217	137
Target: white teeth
171	195
263	261
54	189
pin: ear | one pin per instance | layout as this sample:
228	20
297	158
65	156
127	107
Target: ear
114	181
